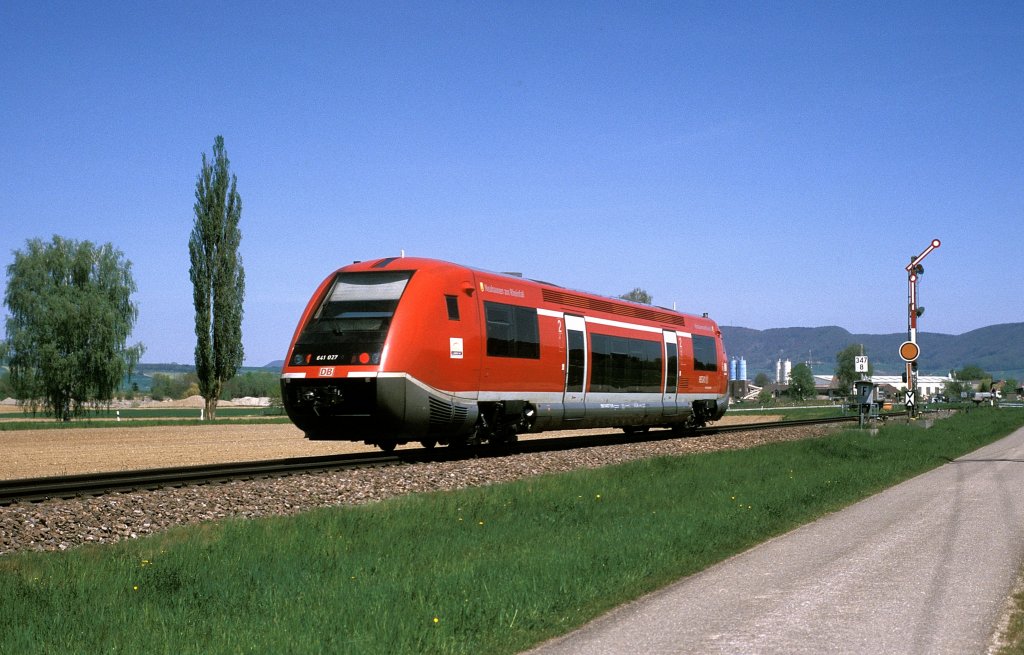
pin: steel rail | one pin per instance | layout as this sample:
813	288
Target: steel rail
97	484
69	486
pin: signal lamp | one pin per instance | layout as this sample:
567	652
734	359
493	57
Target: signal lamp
364	358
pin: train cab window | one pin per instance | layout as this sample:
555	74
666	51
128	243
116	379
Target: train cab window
512	331
705	355
359	302
453	307
353	318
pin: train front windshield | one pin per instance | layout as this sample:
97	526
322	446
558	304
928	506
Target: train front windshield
352	321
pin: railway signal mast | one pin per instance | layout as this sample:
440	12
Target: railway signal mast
909	349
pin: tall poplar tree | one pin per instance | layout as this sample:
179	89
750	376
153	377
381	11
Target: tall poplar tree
218	279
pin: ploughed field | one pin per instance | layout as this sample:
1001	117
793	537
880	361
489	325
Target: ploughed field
55	452
65	523
39	453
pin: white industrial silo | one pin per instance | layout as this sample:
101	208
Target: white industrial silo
743	369
787	371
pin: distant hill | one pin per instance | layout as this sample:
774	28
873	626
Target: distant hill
142	376
998	349
150	369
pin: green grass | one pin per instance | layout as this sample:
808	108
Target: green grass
191	412
483	570
810	411
792	413
789	413
1013	637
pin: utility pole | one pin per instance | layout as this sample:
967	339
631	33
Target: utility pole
909	350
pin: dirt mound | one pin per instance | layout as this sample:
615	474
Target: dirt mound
191	401
250	401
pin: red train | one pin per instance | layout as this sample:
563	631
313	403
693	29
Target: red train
406	349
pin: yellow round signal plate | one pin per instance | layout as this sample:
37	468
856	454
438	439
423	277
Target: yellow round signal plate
909	351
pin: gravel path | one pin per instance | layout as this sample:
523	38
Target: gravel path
62	524
925	566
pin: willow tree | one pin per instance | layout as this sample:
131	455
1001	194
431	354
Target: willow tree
218	279
70	316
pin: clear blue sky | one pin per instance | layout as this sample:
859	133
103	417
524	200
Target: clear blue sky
774	164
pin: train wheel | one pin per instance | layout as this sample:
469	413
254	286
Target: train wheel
503	442
387	445
428	444
633	429
687	429
503	438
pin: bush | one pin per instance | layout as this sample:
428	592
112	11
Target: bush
256	384
174	387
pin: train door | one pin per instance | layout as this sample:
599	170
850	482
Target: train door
574	399
668	400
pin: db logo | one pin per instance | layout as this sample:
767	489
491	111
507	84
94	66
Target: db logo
327	372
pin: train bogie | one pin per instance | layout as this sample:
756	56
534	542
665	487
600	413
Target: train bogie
398	350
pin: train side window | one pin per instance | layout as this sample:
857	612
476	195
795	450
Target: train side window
622	365
705	355
577	362
453	307
512	331
671	367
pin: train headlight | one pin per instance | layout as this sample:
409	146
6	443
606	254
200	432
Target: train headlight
364	358
296	359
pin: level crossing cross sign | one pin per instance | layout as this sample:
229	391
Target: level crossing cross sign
911	398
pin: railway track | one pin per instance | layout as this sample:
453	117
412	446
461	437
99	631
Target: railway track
96	484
